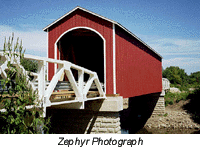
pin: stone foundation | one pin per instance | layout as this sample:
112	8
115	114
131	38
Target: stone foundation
98	117
160	105
105	123
137	110
106	116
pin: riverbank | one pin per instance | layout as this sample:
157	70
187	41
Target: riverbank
175	120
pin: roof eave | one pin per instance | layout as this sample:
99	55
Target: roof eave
138	39
109	20
78	7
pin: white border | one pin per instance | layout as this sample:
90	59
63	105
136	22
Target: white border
114	61
91	29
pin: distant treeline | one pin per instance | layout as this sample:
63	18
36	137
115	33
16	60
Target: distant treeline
179	78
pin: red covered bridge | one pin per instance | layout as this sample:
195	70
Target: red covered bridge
91	61
124	64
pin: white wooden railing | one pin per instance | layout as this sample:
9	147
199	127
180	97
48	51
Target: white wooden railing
165	84
79	87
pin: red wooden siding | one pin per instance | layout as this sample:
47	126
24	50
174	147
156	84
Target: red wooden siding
84	19
138	69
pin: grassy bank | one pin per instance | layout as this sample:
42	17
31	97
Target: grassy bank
171	98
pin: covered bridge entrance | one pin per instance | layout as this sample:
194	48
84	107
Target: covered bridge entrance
124	63
85	48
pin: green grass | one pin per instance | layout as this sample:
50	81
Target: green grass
166	114
184	87
171	98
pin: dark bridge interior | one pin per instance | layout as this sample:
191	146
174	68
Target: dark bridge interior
84	48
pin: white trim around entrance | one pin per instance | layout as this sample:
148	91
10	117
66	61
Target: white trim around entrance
88	28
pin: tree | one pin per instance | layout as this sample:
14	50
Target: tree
17	118
175	75
29	65
194	78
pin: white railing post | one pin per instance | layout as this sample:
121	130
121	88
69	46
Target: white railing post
99	87
80	80
42	85
73	84
81	85
88	85
2	70
53	82
41	79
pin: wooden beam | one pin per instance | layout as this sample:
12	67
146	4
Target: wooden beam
112	95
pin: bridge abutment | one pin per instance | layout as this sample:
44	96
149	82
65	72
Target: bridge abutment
98	117
139	109
160	105
107	119
106	116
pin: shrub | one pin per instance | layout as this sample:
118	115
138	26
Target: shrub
170	98
165	115
175	75
17	118
171	102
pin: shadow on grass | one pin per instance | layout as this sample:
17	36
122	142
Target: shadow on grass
193	107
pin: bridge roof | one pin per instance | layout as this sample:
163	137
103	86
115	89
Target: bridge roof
104	18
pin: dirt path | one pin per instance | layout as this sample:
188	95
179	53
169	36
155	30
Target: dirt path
175	120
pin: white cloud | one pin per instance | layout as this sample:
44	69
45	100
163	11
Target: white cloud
184	53
174	45
189	64
171	45
34	41
189	53
175	51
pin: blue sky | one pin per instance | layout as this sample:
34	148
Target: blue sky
171	27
